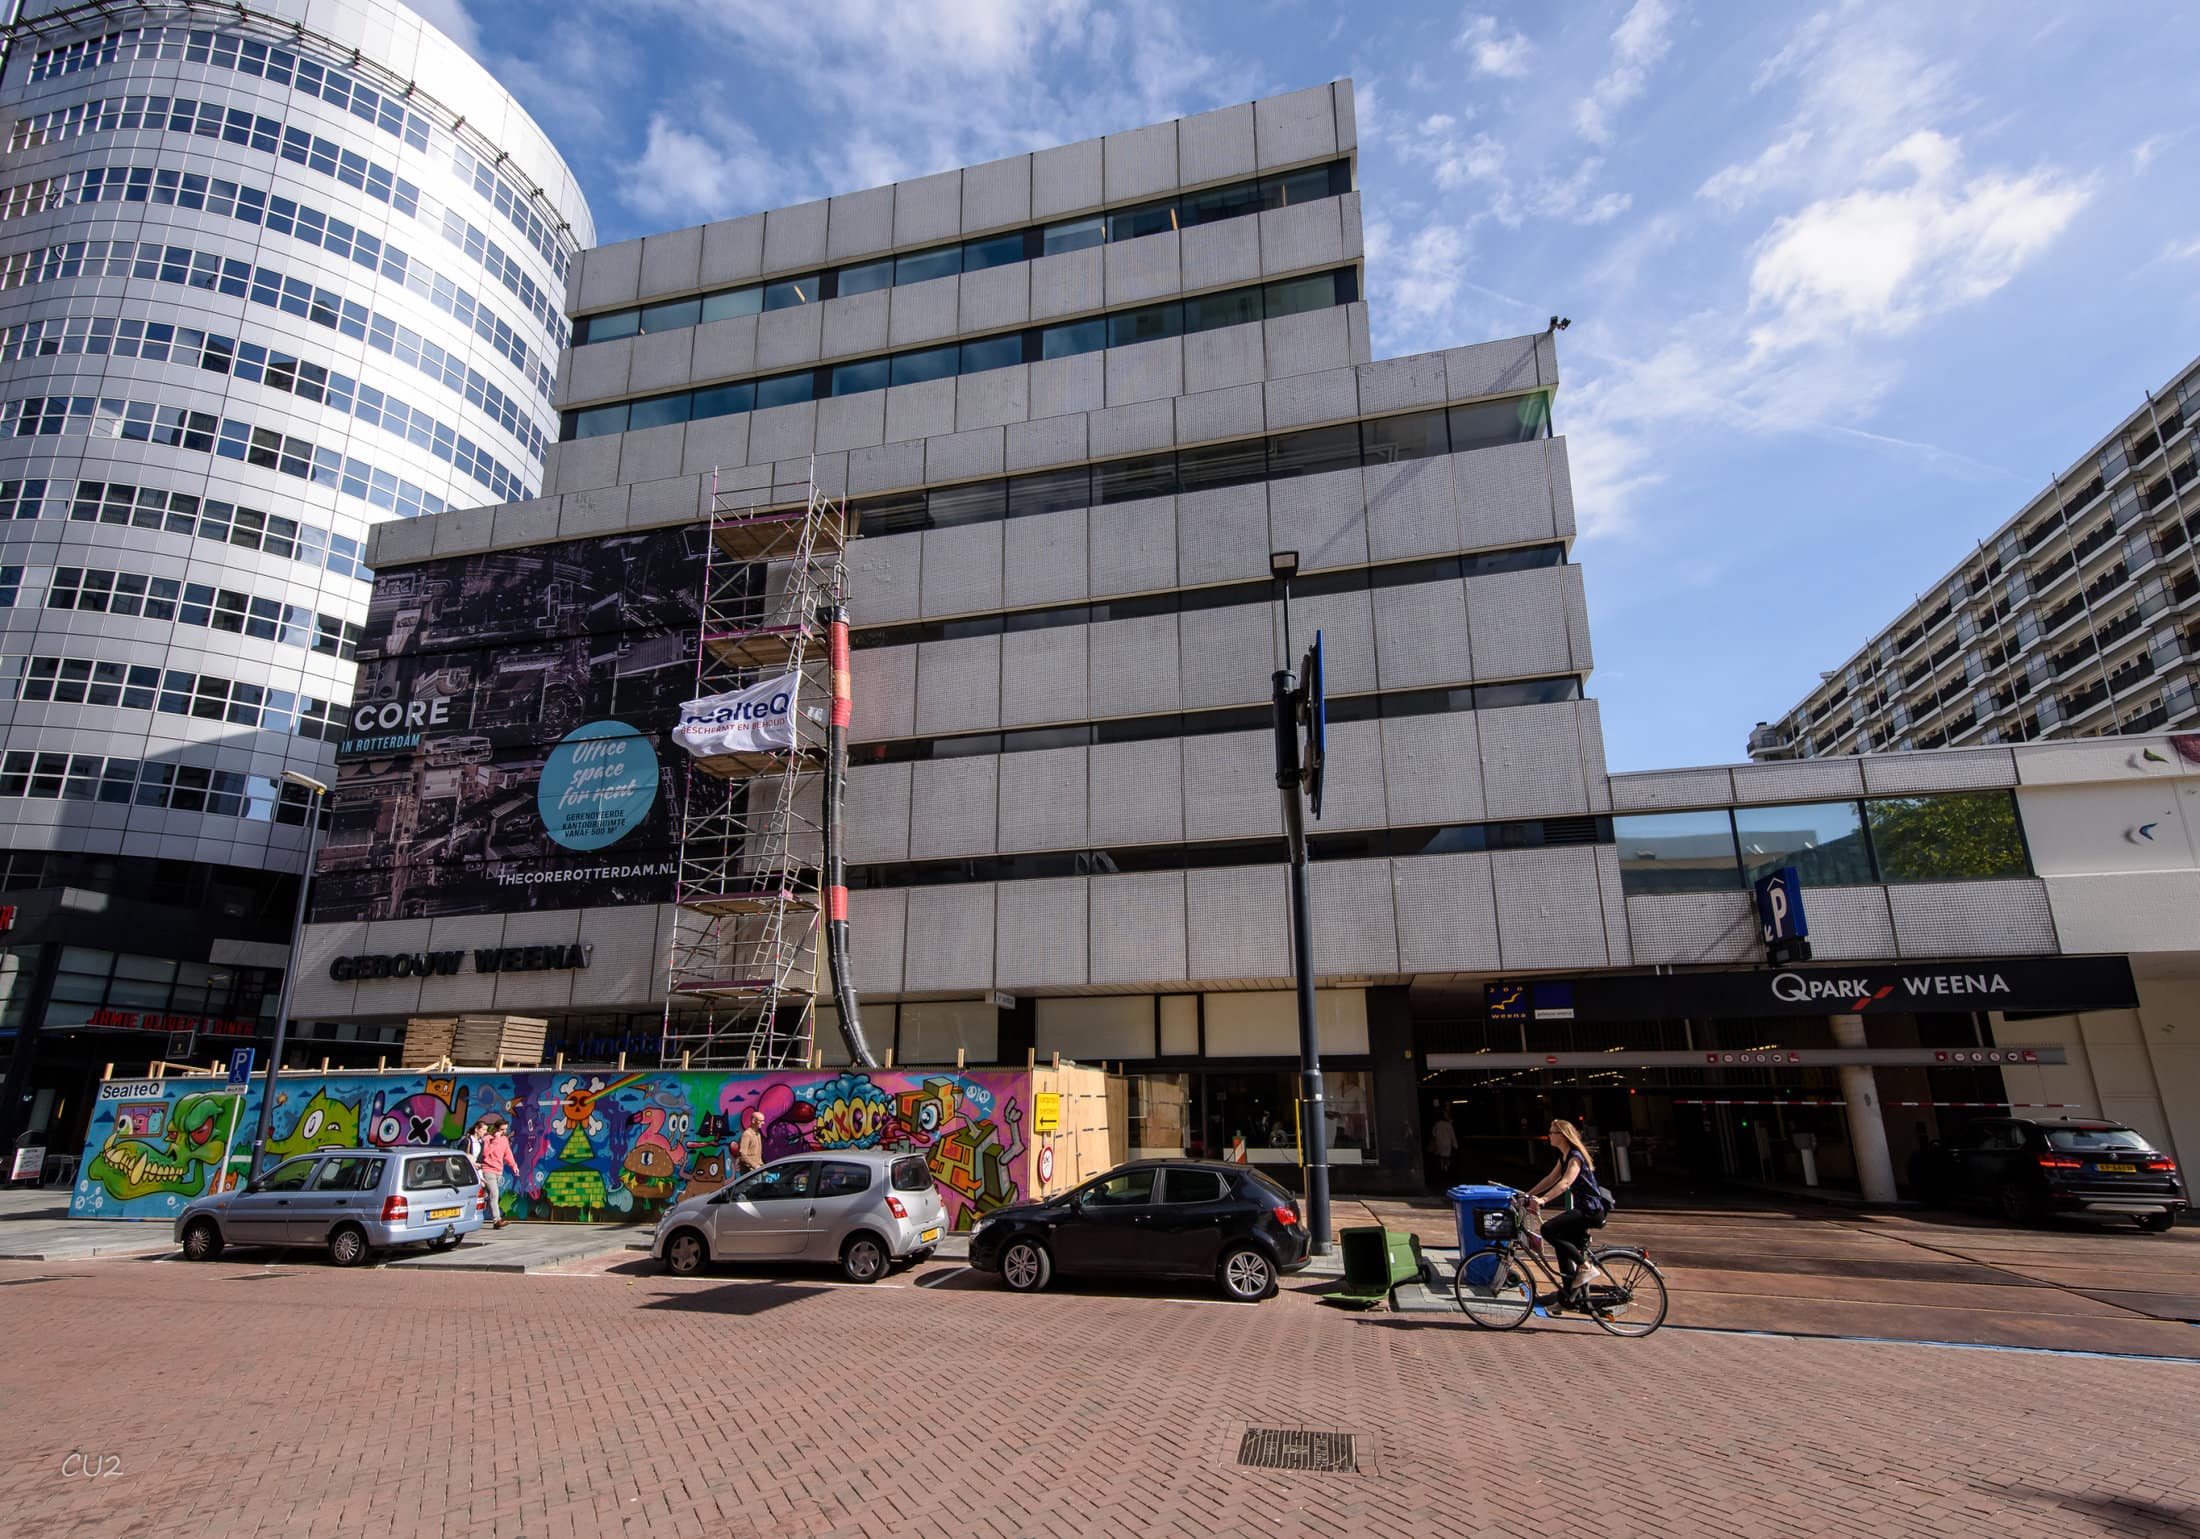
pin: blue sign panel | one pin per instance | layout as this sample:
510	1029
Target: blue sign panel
1780	906
240	1068
597	785
1507	1001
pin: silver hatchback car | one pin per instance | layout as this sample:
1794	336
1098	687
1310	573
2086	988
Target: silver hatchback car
865	1209
354	1201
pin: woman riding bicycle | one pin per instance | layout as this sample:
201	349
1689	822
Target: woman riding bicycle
1568	1232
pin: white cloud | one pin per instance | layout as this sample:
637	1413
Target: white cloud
1418	277
1738	183
1491	52
450	17
1639	41
1880	259
686	177
2182	250
1572	200
2144	152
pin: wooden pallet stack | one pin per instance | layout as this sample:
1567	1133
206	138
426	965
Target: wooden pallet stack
474	1041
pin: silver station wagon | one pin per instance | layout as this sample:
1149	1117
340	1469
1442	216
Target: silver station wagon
354	1201
863	1209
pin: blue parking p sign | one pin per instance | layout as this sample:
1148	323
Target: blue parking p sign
240	1068
1780	906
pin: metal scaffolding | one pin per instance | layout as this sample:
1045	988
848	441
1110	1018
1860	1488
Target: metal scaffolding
743	959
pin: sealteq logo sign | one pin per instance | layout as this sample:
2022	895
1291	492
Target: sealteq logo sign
759	719
597	785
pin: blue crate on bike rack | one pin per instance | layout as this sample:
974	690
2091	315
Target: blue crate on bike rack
1486	1220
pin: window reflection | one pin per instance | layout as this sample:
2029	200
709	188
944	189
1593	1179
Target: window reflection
1823	841
1677	852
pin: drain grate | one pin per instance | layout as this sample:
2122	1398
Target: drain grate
1275	1448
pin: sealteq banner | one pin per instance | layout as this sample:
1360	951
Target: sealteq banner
759	719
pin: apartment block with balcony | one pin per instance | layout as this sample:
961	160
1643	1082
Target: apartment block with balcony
2079	617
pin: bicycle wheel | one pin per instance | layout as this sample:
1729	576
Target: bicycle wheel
1494	1291
1631	1300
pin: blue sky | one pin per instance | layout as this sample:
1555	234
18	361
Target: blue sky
1847	283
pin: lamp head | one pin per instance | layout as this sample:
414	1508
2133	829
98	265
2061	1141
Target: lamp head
1283	563
305	782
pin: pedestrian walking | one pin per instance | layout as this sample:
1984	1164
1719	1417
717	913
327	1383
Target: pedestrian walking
495	1163
1443	1142
752	1142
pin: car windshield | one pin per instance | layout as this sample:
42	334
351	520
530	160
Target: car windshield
2097	1141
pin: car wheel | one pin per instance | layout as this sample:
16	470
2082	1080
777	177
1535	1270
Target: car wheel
1025	1266
202	1241
685	1253
348	1246
2156	1223
2015	1205
1246	1274
863	1259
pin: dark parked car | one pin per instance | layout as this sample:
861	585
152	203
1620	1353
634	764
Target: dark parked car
1154	1218
2027	1170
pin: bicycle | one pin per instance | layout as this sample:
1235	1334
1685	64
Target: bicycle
1496	1288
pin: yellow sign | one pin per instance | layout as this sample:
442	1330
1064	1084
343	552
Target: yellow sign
1046	1112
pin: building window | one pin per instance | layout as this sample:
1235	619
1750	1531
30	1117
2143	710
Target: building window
1677	852
1967	836
1823	841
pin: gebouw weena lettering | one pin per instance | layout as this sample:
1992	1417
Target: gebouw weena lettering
439	964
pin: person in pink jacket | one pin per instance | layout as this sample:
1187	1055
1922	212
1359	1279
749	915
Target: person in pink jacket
496	1164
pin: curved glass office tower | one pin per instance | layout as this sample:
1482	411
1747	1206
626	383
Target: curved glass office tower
268	277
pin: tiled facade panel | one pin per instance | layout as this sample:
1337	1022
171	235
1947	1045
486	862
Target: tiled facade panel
1137	792
1411	508
878	812
1421	635
1222	535
1133	545
1532	763
1432	769
952	807
1041	934
876	923
1236	923
1230	786
883	681
1043	676
1549	909
1043	800
962	569
1446	910
1945	919
1516	623
1134	666
949	938
1229	655
1355	916
1138	927
1322	517
958	685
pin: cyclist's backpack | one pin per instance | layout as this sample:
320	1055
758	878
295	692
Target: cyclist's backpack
1595	1197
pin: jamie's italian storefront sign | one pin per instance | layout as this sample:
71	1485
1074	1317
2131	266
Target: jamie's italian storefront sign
445	964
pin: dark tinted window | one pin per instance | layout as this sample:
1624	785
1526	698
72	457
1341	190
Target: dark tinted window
291	1175
1149	323
1152	475
2096	1141
658	413
912	1175
1294	295
600	421
1314	451
350	1173
1487	424
671	316
1295	187
866	276
1208	311
1067	341
931	363
1411	437
1130	1189
919	266
433	1172
839	1180
786	390
719	307
853	378
1232	464
791	291
993	251
609	328
1193	1186
724	400
1073	235
1049	493
1151	219
992	353
777	1183
1219	203
968	504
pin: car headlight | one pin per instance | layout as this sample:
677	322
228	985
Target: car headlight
980	1227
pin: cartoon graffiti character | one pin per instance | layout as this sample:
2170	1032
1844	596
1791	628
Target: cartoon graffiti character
849	1111
650	1165
924	1111
576	1189
413	1121
326	1123
453	1095
198	1133
707	1174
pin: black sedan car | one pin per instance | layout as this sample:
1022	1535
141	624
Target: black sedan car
1153	1218
2028	1169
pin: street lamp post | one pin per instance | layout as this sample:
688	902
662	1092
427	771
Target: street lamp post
315	791
1288	700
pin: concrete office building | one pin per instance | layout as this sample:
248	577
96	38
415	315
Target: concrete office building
2073	619
270	274
1078	397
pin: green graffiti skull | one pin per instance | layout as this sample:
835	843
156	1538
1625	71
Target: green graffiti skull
198	1131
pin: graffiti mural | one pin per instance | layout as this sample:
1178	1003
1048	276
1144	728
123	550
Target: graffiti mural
592	1146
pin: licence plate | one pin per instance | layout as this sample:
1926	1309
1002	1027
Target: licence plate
443	1212
929	1235
2117	1170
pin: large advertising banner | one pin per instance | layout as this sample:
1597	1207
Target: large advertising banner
592	1145
510	743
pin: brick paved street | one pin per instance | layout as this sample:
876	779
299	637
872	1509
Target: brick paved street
246	1399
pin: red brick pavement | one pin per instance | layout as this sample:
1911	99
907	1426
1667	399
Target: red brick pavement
384	1403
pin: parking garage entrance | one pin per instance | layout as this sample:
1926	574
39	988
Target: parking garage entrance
1690	1083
